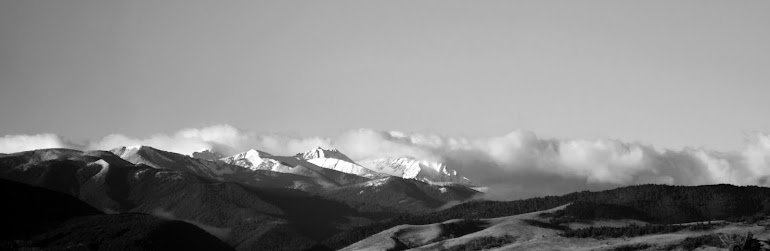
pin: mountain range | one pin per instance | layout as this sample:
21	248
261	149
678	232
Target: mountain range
136	196
250	201
404	167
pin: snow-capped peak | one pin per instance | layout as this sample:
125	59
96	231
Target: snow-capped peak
336	160
251	159
412	168
254	156
251	153
319	153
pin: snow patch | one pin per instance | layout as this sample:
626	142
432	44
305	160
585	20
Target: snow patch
376	183
103	171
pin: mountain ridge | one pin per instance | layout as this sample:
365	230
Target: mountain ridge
255	211
404	167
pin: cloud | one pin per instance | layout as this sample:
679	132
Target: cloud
164	142
225	139
19	143
516	165
520	164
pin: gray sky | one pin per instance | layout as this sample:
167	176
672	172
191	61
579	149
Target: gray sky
667	73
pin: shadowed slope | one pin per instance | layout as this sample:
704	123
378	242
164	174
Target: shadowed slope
39	218
28	210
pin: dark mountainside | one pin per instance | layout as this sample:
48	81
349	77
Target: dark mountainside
38	218
28	210
398	195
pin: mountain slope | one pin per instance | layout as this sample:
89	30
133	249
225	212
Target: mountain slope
535	231
29	210
167	160
402	195
125	232
38	218
447	234
653	203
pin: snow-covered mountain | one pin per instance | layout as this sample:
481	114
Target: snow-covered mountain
335	160
319	153
258	160
253	159
327	167
223	171
411	168
404	167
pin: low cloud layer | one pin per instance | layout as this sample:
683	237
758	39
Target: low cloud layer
18	143
515	165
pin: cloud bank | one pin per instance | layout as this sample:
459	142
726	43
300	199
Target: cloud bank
18	143
515	165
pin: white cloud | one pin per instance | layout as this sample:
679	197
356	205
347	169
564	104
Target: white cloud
173	143
19	143
518	164
222	138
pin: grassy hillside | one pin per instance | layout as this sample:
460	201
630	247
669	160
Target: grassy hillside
653	203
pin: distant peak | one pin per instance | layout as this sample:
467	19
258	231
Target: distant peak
409	167
254	153
320	152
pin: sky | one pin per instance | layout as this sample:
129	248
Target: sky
668	73
618	77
